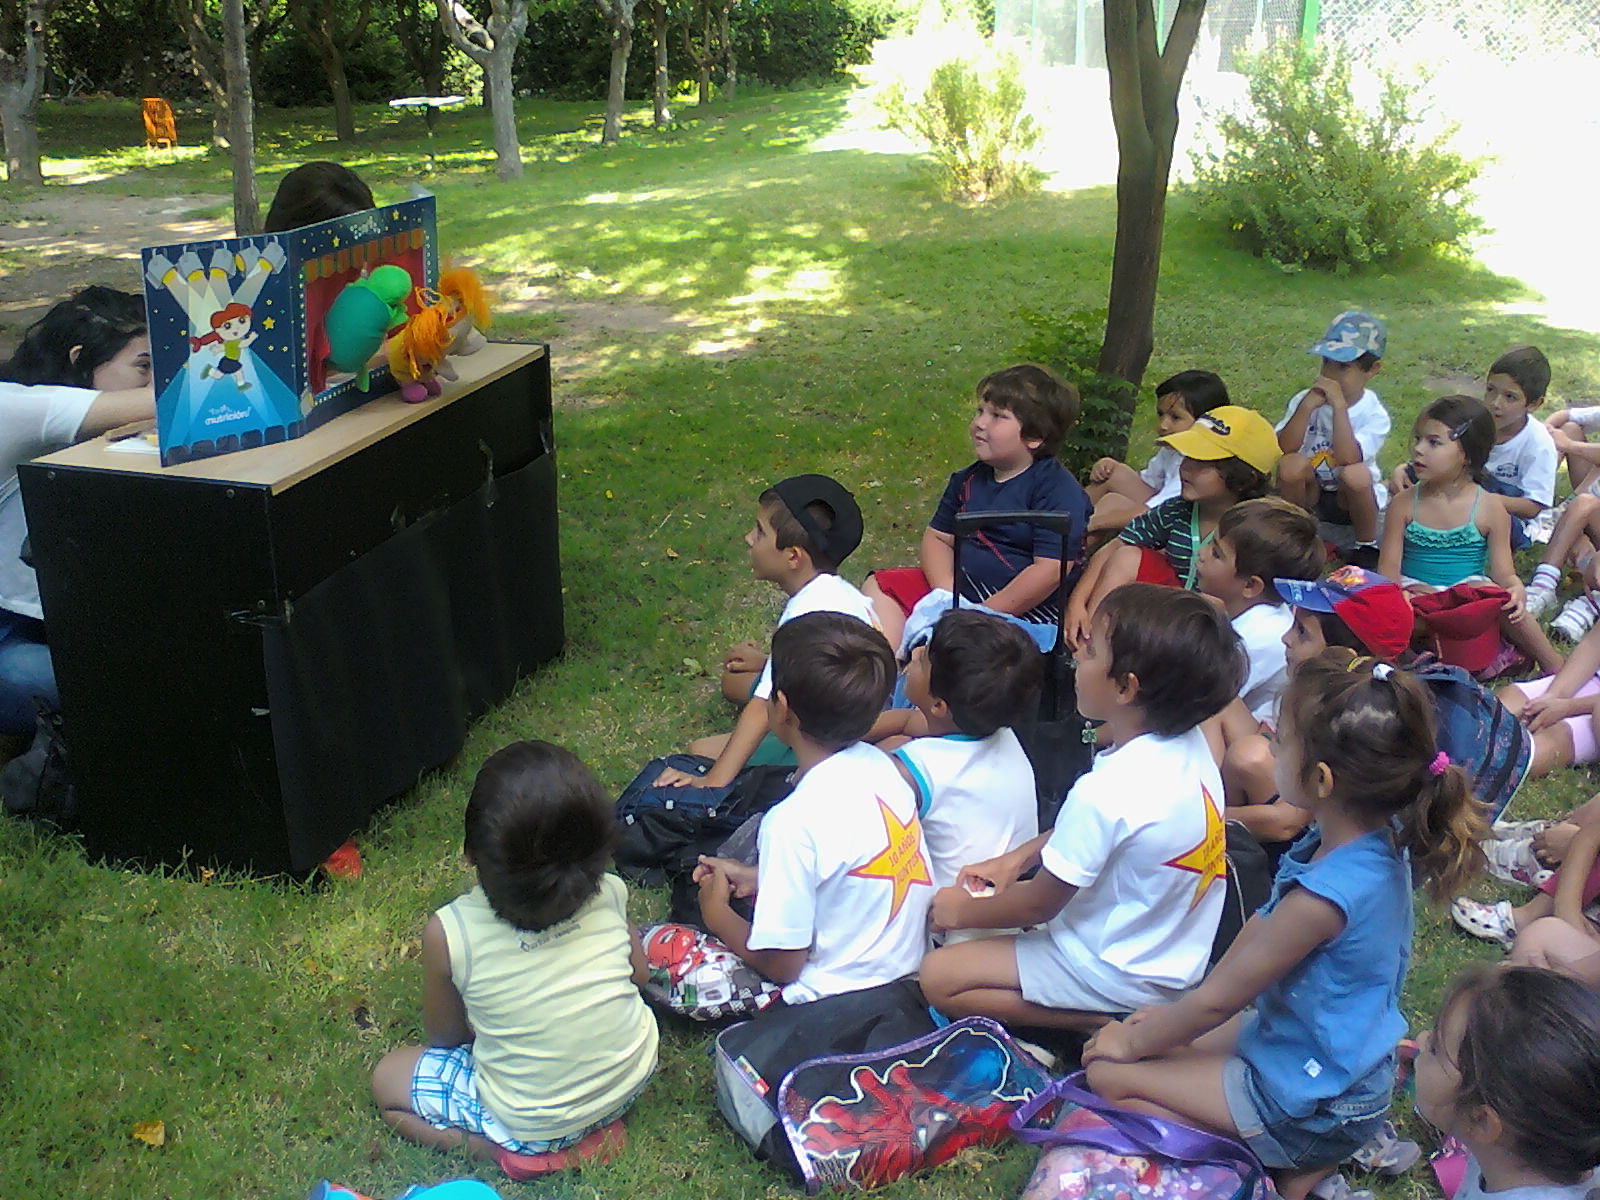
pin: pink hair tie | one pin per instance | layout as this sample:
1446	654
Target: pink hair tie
1440	762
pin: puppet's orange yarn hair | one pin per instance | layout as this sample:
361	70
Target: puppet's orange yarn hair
421	345
462	285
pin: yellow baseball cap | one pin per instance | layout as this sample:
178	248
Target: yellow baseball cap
1229	432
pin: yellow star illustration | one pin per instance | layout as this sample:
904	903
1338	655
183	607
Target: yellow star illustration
1209	859
269	323
334	241
901	860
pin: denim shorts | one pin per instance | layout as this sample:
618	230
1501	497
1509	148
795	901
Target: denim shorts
1329	1134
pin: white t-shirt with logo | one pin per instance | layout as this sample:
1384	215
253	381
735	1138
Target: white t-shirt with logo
1161	473
825	593
1261	628
1369	421
976	797
1142	838
843	872
1528	462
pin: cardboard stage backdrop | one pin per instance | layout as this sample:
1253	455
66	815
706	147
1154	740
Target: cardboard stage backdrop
238	340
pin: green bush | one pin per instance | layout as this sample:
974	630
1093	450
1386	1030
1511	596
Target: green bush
1069	344
1310	178
973	126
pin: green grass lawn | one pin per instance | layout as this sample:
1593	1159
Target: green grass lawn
246	1015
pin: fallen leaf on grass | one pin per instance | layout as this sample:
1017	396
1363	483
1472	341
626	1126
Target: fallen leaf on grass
151	1133
671	553
693	666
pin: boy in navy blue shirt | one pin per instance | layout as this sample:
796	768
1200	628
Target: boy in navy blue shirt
1024	413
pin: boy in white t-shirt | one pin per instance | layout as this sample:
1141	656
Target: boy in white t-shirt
1333	431
1130	882
805	527
841	881
975	678
1257	542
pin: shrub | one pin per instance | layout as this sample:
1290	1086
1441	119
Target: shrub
1311	178
1069	344
973	126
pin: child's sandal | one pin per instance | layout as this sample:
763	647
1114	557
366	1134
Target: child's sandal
1491	922
1337	1187
601	1146
1388	1153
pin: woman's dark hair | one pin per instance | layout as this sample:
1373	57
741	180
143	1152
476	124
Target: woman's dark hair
314	192
985	668
540	831
1470	424
1530	1051
1201	391
1373	725
835	673
1187	658
97	321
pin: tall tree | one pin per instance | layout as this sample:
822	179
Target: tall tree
619	15
730	58
422	39
1145	81
493	47
333	29
241	116
207	56
663	77
21	85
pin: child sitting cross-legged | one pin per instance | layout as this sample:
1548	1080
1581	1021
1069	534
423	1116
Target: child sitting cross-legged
1289	1043
1442	532
1259	542
1118	491
805	527
1024	413
841	880
1130	882
1228	456
973	680
540	947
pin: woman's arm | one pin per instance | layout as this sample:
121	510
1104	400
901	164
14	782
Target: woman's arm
1266	950
111	410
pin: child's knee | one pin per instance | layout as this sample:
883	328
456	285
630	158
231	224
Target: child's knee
391	1078
1294	469
1514	699
1355	480
1108	1080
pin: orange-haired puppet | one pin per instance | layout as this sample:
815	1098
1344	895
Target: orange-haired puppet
231	332
417	353
466	305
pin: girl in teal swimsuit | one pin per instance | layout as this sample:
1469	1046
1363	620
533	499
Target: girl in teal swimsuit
1440	533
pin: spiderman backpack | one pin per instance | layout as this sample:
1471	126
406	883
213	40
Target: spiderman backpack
835	1093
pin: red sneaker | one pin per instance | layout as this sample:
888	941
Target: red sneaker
601	1146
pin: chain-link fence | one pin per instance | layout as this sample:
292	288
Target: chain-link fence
1072	32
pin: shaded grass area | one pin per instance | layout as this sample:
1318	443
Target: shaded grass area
246	1014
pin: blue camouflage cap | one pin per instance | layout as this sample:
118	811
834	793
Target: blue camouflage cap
1352	334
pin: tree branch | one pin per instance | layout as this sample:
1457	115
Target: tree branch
464	32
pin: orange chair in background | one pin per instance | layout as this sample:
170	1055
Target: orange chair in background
160	126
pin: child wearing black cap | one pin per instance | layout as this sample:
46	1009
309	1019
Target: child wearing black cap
805	527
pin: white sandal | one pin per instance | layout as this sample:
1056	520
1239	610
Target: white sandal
1491	922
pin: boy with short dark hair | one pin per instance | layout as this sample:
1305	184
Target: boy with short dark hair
1257	542
1129	884
841	881
805	527
1118	491
1333	432
972	681
1024	413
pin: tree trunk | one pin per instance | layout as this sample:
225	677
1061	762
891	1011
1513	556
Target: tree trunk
21	85
1145	81
241	119
620	14
730	81
503	112
709	55
494	49
663	81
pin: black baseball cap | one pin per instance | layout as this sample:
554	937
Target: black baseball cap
838	542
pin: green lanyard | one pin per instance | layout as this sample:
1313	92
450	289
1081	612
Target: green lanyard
1197	544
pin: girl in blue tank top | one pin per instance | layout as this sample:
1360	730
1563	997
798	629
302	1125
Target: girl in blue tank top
1305	1077
1439	532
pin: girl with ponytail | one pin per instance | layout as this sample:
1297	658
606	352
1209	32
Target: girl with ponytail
1305	1077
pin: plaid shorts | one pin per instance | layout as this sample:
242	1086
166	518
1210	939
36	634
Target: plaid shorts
444	1093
